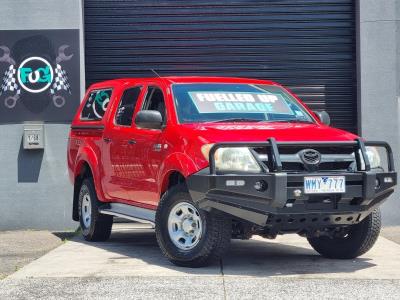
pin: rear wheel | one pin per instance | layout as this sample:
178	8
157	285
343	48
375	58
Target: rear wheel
187	235
95	226
350	243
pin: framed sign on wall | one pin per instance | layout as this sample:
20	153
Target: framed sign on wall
39	75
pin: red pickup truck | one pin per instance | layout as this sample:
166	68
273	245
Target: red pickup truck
206	159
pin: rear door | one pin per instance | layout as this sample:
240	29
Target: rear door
119	148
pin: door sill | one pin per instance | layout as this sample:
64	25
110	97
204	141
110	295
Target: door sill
129	212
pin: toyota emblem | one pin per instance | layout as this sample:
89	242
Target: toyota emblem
310	157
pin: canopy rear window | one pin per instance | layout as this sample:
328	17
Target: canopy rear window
96	105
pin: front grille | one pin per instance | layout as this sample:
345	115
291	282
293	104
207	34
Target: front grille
332	159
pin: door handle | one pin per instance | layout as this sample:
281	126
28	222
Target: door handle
157	147
131	142
107	140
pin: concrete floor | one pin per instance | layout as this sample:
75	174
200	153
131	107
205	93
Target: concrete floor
20	247
130	266
391	233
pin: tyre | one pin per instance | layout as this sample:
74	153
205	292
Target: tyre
187	235
357	240
95	226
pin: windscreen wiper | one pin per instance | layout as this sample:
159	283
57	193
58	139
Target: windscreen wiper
291	121
236	120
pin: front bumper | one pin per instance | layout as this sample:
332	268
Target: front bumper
281	205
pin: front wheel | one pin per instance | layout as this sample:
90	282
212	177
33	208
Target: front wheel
187	235
350	243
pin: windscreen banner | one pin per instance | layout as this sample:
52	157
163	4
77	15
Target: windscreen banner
243	102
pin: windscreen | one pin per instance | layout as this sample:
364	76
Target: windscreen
214	102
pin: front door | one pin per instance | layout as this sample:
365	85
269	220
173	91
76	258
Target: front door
150	151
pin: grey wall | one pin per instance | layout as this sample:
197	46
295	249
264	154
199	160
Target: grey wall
34	188
379	67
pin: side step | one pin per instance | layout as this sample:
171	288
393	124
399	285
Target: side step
129	212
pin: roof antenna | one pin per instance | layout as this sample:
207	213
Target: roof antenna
158	75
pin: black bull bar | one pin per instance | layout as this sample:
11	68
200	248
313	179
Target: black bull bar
209	187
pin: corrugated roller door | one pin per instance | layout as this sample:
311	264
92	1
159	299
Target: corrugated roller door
306	45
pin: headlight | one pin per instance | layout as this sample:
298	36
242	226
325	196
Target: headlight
233	159
373	157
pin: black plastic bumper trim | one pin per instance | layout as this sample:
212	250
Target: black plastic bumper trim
245	202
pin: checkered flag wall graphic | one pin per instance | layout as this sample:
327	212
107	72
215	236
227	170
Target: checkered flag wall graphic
9	82
60	81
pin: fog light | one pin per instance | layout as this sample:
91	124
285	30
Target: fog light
388	180
377	183
235	183
260	186
326	200
297	193
240	182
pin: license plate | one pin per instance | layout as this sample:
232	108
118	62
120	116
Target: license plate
324	184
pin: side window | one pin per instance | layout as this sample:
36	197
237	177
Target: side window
126	106
96	105
155	101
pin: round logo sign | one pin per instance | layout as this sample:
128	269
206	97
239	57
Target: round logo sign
35	74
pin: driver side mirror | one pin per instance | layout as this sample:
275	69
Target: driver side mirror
149	119
323	116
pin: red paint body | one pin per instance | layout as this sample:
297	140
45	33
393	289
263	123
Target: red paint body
137	175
